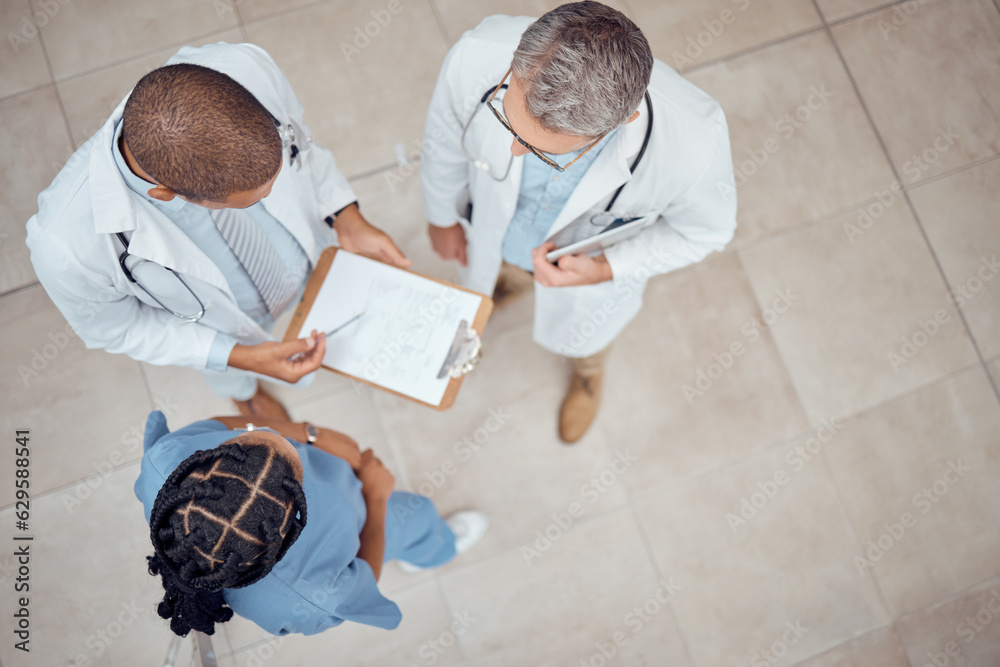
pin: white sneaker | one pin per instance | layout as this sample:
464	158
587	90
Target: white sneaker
468	527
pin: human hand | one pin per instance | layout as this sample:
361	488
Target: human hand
449	242
376	480
355	234
569	270
285	361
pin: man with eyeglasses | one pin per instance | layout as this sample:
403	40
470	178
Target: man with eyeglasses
585	135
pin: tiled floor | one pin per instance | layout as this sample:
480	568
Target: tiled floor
829	499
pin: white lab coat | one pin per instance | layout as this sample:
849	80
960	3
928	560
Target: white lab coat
684	182
75	253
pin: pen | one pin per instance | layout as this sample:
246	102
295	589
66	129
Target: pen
333	331
300	355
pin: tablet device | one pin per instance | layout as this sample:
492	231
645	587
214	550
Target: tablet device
619	230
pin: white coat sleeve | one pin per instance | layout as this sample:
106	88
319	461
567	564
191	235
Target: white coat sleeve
104	318
700	221
444	169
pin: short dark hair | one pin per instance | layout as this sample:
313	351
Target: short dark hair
585	68
223	519
200	133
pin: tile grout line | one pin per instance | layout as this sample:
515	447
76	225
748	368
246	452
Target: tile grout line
52	82
440	22
451	617
19	288
909	203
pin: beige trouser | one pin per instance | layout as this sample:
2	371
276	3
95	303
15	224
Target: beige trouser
516	279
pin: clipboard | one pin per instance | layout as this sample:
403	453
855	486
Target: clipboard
387	357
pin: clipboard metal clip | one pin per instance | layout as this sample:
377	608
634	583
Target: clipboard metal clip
466	351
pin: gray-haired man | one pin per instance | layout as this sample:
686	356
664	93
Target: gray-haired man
586	130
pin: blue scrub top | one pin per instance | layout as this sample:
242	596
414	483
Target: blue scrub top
320	582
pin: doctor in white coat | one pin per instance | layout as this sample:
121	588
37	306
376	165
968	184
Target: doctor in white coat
191	266
586	130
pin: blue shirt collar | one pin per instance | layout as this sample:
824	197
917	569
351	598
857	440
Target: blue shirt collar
136	184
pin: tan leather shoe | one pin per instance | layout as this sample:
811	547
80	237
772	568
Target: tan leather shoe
579	407
262	404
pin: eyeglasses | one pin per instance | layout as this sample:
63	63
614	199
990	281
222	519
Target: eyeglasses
534	151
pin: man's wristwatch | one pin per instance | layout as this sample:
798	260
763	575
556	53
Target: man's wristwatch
312	433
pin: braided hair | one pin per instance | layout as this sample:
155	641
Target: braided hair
222	519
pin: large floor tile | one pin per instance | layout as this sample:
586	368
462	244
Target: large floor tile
428	634
89	99
90	34
327	53
928	79
920	477
994	369
497	449
802	145
34	132
86	409
457	16
686	33
253	10
92	600
23	64
593	598
960	214
838	10
183	395
961	632
763	550
673	373
881	648
874	320
392	201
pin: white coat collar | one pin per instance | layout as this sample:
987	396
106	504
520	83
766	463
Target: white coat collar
118	208
608	171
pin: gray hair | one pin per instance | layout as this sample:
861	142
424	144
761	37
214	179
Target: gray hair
585	68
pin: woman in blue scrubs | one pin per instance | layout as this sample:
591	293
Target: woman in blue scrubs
227	504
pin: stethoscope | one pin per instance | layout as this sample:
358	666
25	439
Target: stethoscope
288	143
600	219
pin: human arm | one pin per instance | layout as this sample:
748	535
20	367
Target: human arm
330	441
376	487
281	360
702	219
355	234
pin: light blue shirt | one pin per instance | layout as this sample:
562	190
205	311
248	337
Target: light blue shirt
197	224
544	192
320	582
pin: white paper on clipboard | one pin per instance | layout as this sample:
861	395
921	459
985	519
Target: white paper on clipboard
407	329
